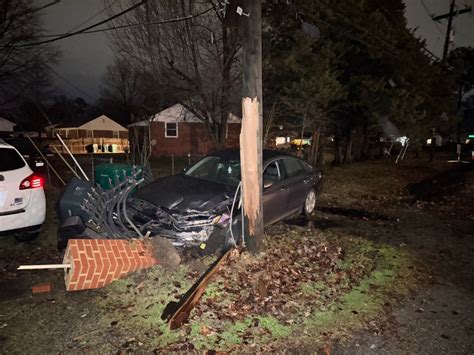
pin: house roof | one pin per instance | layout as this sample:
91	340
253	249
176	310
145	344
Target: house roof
101	123
6	125
179	113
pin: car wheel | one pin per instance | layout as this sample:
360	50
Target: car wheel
309	202
27	236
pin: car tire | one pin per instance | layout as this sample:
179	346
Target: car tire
309	204
27	236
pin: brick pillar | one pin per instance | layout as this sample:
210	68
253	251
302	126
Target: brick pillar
96	263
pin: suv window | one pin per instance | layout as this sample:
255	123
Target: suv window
293	167
10	160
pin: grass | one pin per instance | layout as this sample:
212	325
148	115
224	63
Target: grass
390	277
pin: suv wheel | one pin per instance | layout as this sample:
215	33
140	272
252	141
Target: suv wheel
309	202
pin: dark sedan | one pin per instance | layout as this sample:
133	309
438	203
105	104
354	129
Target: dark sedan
207	189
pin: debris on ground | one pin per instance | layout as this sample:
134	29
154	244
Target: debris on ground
176	313
116	213
41	288
96	263
90	264
164	251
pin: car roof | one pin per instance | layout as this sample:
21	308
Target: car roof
234	154
4	144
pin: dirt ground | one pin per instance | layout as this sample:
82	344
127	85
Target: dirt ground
417	218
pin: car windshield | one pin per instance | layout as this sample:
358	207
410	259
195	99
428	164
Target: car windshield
216	169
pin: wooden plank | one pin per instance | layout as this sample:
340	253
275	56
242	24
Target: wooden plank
176	313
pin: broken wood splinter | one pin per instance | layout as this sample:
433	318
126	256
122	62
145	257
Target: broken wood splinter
176	313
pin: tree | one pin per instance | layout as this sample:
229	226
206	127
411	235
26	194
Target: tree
461	62
123	86
300	76
64	108
21	66
359	78
194	60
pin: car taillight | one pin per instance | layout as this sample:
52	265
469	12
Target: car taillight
32	182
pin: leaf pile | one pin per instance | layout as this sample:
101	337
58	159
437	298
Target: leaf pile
300	265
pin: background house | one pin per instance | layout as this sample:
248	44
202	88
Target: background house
99	135
177	131
6	127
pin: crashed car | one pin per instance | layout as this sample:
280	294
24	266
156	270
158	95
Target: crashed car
201	206
198	209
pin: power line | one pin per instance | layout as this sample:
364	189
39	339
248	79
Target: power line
370	34
92	17
392	50
381	40
161	22
80	31
428	12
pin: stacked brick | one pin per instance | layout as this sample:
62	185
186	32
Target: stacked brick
96	263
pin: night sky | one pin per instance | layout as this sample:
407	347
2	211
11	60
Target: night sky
85	57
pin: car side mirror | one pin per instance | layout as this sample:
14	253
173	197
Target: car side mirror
267	183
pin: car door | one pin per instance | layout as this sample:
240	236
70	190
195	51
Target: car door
297	181
275	197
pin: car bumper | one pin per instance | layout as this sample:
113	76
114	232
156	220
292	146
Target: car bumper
30	229
32	215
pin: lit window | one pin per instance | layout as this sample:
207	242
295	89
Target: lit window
171	130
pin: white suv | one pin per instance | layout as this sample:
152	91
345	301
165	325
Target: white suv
22	200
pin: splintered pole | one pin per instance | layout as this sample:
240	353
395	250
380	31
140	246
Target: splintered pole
251	134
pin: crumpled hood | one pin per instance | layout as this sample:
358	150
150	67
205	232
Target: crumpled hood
182	192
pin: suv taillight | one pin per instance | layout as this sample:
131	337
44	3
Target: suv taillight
32	182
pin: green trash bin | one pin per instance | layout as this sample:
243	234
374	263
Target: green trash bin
115	172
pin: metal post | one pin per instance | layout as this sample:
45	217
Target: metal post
172	164
92	169
48	173
46	160
65	162
72	156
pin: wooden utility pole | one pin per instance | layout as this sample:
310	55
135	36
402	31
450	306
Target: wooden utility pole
251	133
448	31
450	15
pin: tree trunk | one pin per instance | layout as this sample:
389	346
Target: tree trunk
269	122
348	151
320	151
365	143
315	143
357	145
337	147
